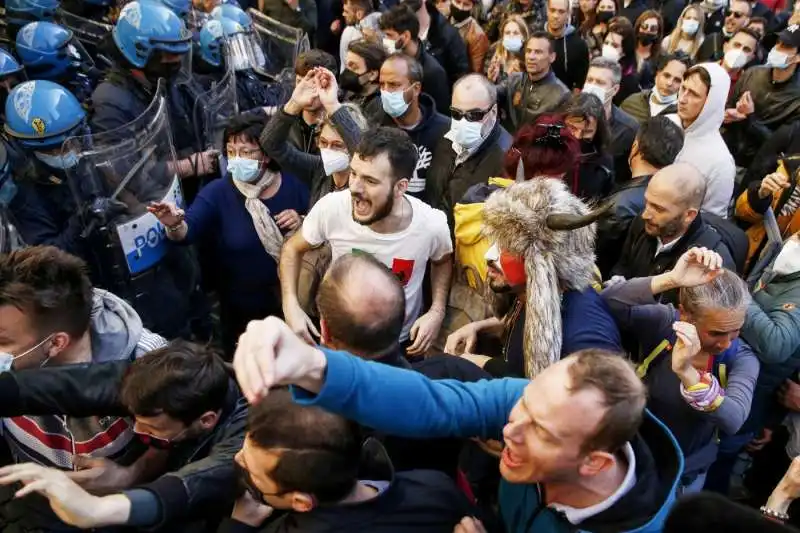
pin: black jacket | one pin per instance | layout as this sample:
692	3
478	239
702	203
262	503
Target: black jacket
714	22
638	258
623	132
447	182
612	230
201	479
632	12
594	179
445	44
784	142
572	58
711	49
434	81
425	136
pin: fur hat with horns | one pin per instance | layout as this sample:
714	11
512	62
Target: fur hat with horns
553	231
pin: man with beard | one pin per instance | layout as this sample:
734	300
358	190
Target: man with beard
670	225
375	216
546	260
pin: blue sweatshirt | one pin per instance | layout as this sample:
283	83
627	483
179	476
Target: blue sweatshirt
370	394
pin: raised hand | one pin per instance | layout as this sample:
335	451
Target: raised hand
696	267
167	213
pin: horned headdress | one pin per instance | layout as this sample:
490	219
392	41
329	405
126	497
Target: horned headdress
553	232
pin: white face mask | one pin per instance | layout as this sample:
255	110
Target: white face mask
512	44
334	161
465	133
777	59
591	88
735	58
788	260
390	45
7	359
690	27
609	52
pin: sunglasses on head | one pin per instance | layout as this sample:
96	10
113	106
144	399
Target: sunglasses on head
473	115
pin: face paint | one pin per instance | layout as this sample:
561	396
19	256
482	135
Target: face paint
513	268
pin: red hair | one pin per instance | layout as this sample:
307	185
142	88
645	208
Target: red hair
546	147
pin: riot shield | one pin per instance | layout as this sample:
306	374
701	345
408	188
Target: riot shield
212	110
280	44
90	33
118	174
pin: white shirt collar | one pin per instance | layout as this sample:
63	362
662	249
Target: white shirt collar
661	248
576	516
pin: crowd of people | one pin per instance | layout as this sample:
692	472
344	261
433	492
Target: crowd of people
399	265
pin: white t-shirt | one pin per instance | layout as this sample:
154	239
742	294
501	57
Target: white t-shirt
406	253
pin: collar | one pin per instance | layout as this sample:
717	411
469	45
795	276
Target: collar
661	247
462	153
576	516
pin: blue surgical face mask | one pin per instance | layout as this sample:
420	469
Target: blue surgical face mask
394	103
60	161
512	44
242	169
467	134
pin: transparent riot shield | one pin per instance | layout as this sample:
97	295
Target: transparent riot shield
280	44
212	110
118	174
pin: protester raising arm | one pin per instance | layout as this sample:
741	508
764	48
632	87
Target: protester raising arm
270	355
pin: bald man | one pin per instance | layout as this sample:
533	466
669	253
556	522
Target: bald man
473	150
362	308
670	224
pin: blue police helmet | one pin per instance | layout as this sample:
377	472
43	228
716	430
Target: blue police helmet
45	51
31	9
230	2
9	66
179	7
228	11
42	114
211	38
144	26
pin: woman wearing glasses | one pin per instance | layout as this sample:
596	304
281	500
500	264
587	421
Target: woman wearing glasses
649	31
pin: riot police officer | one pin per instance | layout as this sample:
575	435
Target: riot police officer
51	52
11	73
57	202
21	12
151	42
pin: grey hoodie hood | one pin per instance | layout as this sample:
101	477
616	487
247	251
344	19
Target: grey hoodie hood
704	148
115	328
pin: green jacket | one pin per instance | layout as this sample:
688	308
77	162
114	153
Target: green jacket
772	329
637	105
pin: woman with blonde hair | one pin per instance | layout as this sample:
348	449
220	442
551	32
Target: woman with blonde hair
506	56
688	34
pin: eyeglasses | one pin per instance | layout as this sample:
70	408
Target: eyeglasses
735	14
473	115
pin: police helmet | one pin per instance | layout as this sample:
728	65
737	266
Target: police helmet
47	50
9	66
144	26
41	114
179	7
229	11
20	11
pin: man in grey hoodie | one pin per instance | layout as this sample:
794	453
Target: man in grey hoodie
701	110
51	315
572	54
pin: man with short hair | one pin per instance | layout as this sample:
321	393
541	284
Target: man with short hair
670	225
470	31
765	98
406	107
474	147
528	94
304	131
737	16
657	144
739	51
184	403
375	216
701	109
400	28
311	463
359	16
50	315
603	80
662	99
573	433
360	76
440	39
572	54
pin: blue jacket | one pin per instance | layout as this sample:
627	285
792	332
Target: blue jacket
368	392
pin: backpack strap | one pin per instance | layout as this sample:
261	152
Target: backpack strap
644	366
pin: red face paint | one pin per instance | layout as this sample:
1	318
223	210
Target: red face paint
513	269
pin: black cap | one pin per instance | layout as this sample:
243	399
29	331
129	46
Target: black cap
790	36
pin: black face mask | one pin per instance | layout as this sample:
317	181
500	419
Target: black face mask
604	16
647	38
459	15
350	81
168	71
